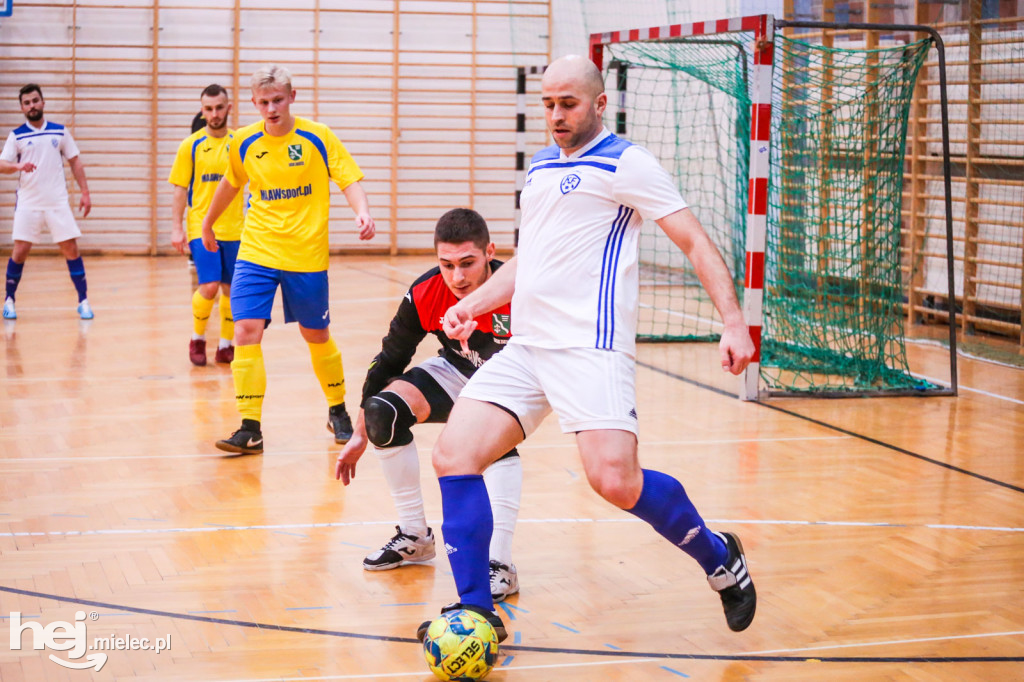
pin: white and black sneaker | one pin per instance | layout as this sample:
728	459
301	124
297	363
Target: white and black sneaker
400	550
734	585
504	580
247	440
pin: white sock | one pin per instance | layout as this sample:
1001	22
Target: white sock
224	343
504	480
401	467
197	337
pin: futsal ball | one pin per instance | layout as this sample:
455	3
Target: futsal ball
460	645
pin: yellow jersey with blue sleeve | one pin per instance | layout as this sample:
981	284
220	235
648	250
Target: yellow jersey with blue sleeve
199	166
289	180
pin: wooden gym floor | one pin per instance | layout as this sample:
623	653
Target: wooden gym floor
886	536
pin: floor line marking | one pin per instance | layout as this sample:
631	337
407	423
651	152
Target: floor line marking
962	387
603	654
839	429
503	668
918	640
523	446
278	528
100	458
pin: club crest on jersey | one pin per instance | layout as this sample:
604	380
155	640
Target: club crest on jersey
501	324
54	142
569	183
295	152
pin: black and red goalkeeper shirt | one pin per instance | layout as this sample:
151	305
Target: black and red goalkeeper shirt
420	313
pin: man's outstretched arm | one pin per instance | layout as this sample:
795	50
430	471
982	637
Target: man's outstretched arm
685	231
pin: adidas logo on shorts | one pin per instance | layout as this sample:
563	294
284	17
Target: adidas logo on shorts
449	549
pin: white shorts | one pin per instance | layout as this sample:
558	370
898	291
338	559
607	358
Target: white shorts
28	224
588	388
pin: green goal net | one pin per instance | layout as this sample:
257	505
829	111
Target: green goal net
833	301
832	306
688	103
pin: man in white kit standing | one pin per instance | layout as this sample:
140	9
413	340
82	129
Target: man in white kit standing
37	150
574	288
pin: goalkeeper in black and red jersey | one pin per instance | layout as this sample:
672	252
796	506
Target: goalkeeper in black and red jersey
395	398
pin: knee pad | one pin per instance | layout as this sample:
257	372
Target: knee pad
388	419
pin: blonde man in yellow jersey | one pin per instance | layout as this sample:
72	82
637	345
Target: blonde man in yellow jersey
198	167
289	163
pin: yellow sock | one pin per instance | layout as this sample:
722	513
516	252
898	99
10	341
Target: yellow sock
227	323
201	308
327	366
250	381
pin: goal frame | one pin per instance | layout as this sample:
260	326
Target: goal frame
763	27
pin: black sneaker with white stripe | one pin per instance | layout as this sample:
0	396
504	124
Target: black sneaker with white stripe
734	585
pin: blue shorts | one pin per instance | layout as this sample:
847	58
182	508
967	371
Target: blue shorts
304	295
214	267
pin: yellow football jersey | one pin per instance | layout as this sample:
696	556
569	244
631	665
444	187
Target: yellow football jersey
199	165
289	183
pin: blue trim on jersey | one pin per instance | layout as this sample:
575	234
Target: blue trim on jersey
57	133
547	154
615	275
192	180
569	164
319	144
25	130
244	147
609	271
610	147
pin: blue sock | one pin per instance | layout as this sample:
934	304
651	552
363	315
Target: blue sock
77	269
467	528
664	504
13	276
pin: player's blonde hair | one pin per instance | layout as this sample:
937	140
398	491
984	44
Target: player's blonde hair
271	76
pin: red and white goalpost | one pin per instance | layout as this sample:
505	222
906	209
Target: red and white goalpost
761	28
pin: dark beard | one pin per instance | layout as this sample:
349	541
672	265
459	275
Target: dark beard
34	115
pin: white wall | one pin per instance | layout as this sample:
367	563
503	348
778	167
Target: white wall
448	90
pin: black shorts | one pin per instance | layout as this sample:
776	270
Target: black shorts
437	398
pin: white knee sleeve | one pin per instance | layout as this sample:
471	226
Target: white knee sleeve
401	467
504	480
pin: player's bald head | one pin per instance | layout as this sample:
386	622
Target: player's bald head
576	73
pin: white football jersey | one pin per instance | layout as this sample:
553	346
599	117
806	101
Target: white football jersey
46	147
577	278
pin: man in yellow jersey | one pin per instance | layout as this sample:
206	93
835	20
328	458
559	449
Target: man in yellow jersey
289	163
198	167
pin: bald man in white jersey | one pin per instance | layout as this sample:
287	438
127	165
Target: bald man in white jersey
574	289
37	150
